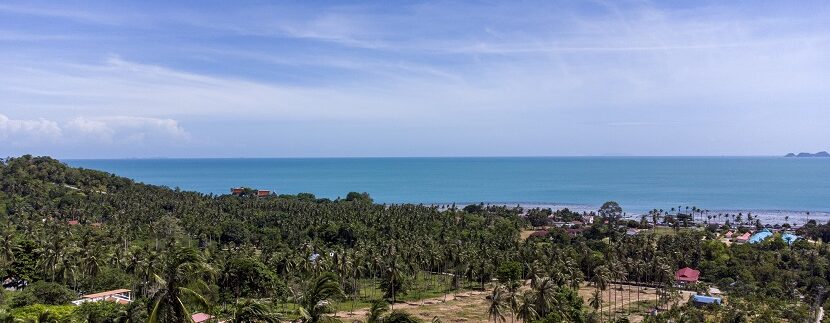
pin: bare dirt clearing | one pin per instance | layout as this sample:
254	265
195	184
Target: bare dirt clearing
471	306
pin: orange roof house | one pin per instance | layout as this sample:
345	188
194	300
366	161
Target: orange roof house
263	193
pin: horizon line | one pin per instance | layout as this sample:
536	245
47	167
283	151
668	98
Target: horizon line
423	157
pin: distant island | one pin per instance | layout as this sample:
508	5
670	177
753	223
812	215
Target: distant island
818	154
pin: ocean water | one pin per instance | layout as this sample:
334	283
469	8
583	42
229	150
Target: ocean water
771	186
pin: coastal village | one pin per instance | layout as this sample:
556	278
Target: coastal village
687	280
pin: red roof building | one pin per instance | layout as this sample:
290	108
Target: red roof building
263	193
743	238
237	191
200	317
687	276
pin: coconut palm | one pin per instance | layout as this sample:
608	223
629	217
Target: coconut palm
250	311
526	310
183	268
545	295
596	300
376	312
601	280
317	297
400	317
8	246
499	304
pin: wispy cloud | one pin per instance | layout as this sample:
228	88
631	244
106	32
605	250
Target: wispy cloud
613	73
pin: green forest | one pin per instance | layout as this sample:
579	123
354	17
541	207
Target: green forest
67	232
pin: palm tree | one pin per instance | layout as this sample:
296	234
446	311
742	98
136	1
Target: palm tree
184	267
130	314
545	290
246	310
499	302
526	310
401	317
43	317
317	298
8	246
601	280
596	301
376	312
379	308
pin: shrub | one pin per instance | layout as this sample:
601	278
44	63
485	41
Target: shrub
62	313
98	311
43	293
51	293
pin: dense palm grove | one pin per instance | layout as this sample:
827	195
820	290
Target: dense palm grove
68	232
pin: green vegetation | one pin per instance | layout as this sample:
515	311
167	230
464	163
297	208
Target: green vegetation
71	231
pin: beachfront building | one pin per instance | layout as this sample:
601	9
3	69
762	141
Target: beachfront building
706	300
686	276
263	193
760	236
120	296
744	238
789	238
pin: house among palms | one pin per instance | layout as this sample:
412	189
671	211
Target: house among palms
120	296
686	276
201	317
744	238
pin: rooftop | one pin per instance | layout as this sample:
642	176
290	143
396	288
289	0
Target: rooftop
107	293
703	299
200	317
687	275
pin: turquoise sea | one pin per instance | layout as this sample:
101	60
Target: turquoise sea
774	186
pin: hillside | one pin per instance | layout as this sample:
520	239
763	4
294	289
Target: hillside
68	232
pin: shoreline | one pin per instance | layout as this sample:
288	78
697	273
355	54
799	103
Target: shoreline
766	216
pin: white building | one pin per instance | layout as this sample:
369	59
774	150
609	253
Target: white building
120	296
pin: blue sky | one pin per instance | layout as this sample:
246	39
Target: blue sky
514	78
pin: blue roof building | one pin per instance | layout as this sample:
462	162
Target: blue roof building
760	236
703	299
789	238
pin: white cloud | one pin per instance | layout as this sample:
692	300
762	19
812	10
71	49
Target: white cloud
110	129
20	132
91	130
